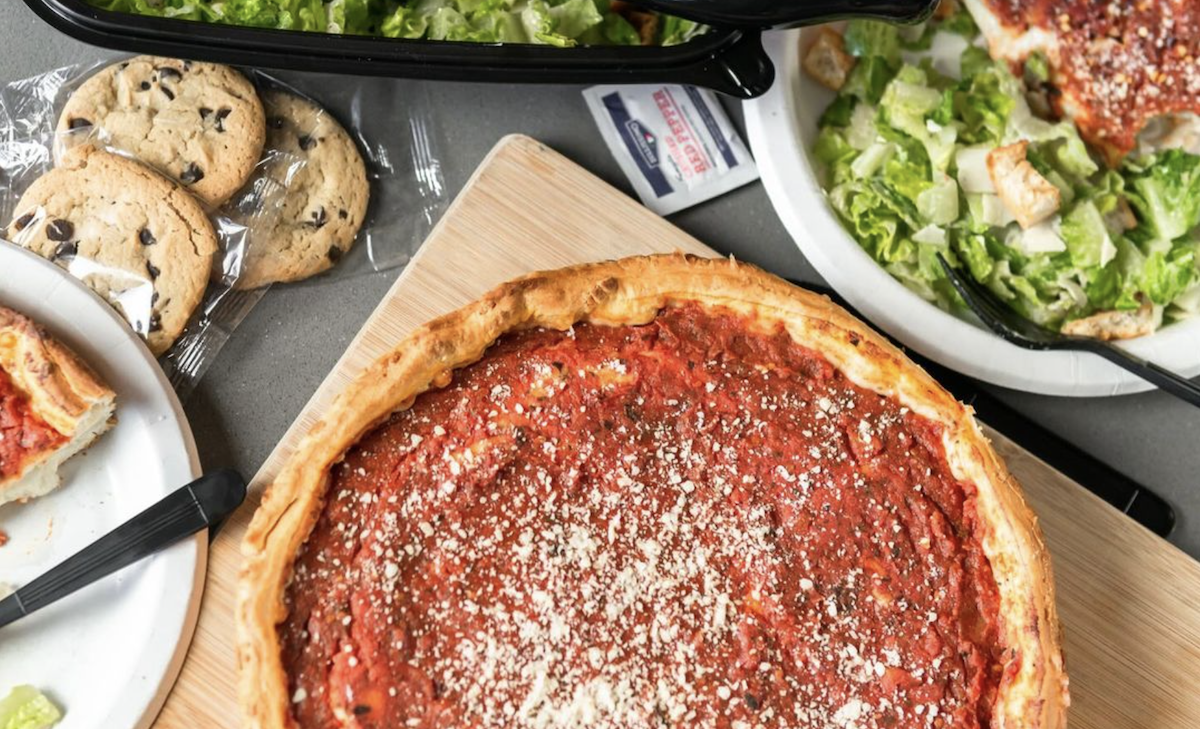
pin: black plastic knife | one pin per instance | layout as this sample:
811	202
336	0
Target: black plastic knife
194	507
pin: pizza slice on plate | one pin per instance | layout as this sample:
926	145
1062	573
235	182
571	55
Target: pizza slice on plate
52	406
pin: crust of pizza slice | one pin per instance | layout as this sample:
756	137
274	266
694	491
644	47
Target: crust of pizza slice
61	391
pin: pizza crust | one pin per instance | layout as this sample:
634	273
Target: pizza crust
1033	693
63	391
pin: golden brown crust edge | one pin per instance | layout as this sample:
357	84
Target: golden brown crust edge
62	390
61	387
632	291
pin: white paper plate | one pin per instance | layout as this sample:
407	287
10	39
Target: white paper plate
108	654
782	126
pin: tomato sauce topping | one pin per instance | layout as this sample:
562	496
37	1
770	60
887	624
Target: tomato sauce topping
22	433
682	524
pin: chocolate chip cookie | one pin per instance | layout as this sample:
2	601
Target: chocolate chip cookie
200	124
325	200
135	237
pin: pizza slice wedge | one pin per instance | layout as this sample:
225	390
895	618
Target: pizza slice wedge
52	406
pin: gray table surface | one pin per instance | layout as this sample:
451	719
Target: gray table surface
283	350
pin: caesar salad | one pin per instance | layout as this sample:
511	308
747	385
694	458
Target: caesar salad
932	146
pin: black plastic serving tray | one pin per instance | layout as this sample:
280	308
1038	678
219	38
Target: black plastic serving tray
729	61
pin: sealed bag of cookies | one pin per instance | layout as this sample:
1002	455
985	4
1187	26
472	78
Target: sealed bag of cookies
371	187
180	190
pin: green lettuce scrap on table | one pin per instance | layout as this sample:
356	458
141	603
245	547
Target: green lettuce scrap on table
562	23
904	151
27	708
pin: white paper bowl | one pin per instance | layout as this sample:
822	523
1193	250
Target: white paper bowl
782	126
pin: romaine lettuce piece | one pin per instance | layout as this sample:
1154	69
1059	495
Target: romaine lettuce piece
988	212
939	203
573	18
404	23
972	249
907	100
872	158
675	31
1044	237
833	151
840	112
1087	237
1058	144
1070	155
939	144
27	708
343	14
972	169
1037	67
974	60
1167	275
931	235
941	53
869	78
1187	304
538	22
917	37
1130	263
960	23
862	132
257	13
983	103
915	280
876	225
927	263
872	38
907	172
899	202
1165	190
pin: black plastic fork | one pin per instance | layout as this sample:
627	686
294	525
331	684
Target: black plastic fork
1013	327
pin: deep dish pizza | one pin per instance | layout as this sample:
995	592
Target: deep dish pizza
52	406
656	492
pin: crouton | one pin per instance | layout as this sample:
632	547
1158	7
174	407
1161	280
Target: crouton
1030	197
827	60
1108	325
945	9
646	24
647	27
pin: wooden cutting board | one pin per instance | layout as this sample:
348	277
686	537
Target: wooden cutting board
1129	600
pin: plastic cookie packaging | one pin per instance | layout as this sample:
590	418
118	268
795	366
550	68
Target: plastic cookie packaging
394	134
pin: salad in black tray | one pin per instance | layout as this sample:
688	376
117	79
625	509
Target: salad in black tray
562	23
